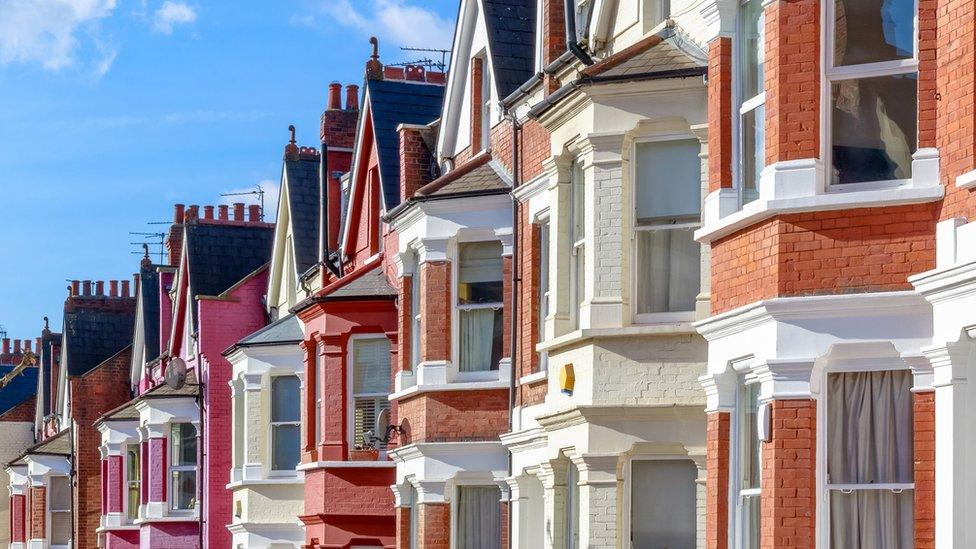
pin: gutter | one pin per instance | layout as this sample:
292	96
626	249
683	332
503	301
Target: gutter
551	69
403	206
569	11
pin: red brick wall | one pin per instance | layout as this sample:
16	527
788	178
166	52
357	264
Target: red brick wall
405	324
553	37
454	416
403	528
38	512
833	252
720	114
415	162
434	526
477	81
504	525
506	309
18	520
435	310
21	412
956	84
789	477
717	480
534	149
102	389
529	315
924	432
792	74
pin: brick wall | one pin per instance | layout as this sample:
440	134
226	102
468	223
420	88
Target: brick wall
717	480
434	526
435	310
956	84
477	102
102	389
924	433
832	252
416	160
720	114
454	416
38	512
403	527
22	412
789	477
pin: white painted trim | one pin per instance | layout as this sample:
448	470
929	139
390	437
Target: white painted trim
533	377
453	386
313	465
966	180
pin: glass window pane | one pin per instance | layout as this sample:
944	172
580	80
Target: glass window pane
668	180
480	345
480	273
184	440
869	31
663	504
865	519
285	399
479	520
543	279
371	366
749	436
59	494
572	507
366	411
184	489
60	528
752	48
753	151
873	128
577	188
669	270
751	521
286	447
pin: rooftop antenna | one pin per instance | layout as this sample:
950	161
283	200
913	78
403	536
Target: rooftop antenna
257	188
145	245
3	331
441	65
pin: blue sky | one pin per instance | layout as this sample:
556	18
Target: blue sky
113	110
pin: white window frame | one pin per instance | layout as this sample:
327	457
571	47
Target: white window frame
661	317
485	101
128	481
744	105
51	512
831	74
319	367
171	468
823	486
350	384
272	424
456	308
736	492
628	487
415	317
545	297
571	509
577	243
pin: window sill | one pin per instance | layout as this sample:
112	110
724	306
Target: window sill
533	377
453	386
579	336
798	186
272	481
313	465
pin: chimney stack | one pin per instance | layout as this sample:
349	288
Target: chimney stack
75	288
179	213
238	211
222	212
352	97
113	288
27	345
37	345
125	289
16	346
100	288
86	286
193	212
335	89
254	213
208	212
374	69
6	345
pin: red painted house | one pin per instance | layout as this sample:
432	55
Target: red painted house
351	325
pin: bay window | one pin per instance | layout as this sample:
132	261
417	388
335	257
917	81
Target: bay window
370	385
872	77
133	481
577	239
750	49
479	306
183	466
479	523
747	474
870	459
59	510
663	503
285	423
668	206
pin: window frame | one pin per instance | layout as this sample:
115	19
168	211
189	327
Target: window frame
744	106
824	487
51	512
545	297
669	316
736	492
830	74
456	308
353	396
577	241
571	509
318	437
129	482
628	487
415	317
172	468
272	424
455	504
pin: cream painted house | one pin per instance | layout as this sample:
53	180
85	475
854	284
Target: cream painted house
608	432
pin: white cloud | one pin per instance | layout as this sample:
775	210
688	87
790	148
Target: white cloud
171	14
270	189
47	31
393	21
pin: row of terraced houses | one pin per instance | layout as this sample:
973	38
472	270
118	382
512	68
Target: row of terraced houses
631	274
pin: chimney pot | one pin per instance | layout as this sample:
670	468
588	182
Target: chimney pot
254	213
113	288
75	288
6	345
193	212
238	211
222	212
335	89
16	346
86	286
179	211
100	288
27	345
37	345
208	212
352	97
125	289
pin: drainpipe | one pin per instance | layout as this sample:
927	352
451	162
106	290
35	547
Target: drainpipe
516	283
569	10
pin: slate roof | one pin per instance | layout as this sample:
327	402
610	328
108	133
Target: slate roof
93	332
667	50
371	284
58	445
189	389
221	255
149	290
284	330
303	207
20	387
125	412
511	35
395	102
484	177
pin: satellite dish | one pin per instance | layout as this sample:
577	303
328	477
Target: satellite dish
382	424
175	375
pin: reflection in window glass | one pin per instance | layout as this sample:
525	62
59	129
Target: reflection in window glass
872	31
183	472
479	306
285	422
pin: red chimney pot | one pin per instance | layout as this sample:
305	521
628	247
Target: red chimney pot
179	211
335	102
125	289
6	345
352	97
208	212
254	213
86	287
222	212
100	288
238	211
16	346
113	288
75	288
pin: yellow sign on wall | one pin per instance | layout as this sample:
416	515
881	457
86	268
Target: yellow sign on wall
567	379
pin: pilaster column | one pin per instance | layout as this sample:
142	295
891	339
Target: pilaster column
38	512
433	515
598	509
310	350
254	450
789	481
155	459
559	320
553	477
717	440
436	307
334	396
